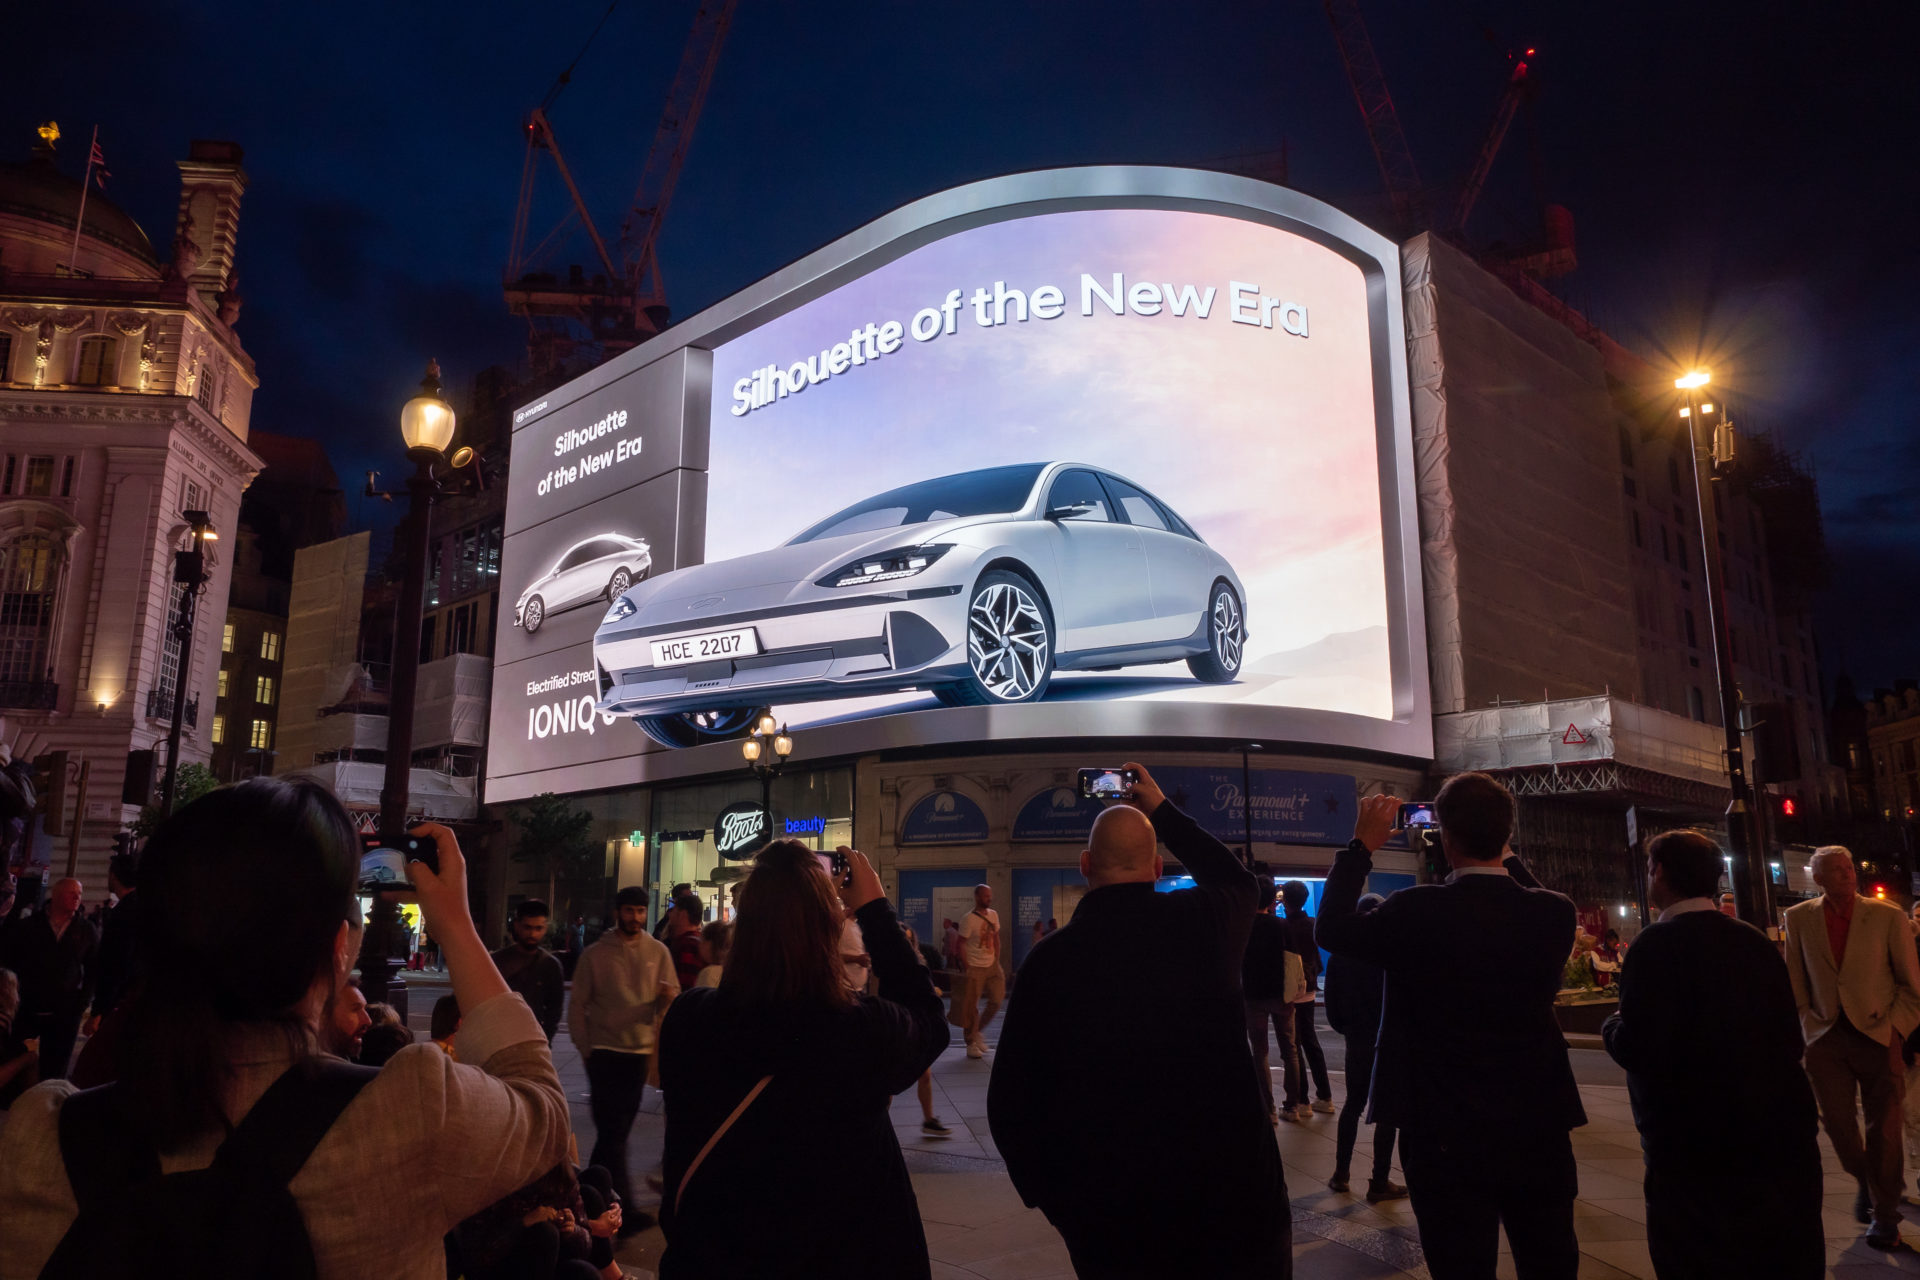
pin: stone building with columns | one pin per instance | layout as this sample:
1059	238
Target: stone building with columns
125	395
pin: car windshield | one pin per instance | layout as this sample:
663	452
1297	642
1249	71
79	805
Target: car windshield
994	491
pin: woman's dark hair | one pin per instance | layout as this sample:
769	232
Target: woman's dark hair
786	940
1295	894
1269	894
446	1018
245	892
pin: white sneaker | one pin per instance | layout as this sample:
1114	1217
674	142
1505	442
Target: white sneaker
1324	1106
974	1050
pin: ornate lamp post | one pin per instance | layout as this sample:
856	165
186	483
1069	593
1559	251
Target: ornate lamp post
1713	449
766	750
190	572
426	425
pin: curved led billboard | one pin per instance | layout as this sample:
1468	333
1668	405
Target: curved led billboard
1089	453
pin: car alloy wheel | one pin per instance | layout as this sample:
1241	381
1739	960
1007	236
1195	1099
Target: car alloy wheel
617	587
533	614
691	728
1226	639
1007	643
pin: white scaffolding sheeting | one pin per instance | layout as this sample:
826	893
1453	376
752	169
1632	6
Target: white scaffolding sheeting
429	793
355	732
1577	730
450	702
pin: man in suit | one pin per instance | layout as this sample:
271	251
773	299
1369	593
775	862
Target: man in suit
1475	1078
1856	983
1710	1040
1126	1033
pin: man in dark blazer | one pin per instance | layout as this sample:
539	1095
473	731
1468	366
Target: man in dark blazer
1126	1034
1710	1038
1472	1071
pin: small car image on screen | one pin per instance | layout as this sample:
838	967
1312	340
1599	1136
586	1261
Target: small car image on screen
976	587
596	568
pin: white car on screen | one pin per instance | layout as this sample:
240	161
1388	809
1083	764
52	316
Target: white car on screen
976	587
596	568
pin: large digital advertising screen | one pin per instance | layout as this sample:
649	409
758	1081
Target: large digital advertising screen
1070	471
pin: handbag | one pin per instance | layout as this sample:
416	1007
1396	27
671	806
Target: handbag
1294	985
680	1191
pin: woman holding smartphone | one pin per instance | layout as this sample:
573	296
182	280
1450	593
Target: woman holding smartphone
779	1083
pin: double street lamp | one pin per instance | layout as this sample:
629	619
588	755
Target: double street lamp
1711	443
766	750
426	425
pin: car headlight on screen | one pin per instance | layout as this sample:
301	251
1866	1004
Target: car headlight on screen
885	566
622	608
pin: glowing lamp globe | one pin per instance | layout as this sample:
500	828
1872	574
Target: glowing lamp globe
427	421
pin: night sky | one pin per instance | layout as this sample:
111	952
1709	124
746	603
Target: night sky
1743	190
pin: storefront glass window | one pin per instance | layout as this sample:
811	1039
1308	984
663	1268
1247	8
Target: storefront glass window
815	808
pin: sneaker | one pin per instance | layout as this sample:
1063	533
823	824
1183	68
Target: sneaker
1380	1190
1338	1182
934	1129
1290	1115
1303	1112
1885	1237
1324	1106
975	1050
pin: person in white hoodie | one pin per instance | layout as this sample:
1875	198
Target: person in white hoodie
621	989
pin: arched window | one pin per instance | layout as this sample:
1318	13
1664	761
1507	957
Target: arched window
6	357
96	361
29	578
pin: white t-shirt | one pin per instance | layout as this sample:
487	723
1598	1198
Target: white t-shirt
981	937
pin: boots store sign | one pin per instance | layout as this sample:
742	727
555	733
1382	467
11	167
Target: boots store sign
981	406
740	830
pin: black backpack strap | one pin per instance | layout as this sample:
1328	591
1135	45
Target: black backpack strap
275	1138
103	1152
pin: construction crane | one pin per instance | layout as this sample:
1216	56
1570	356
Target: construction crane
624	302
1397	170
1520	86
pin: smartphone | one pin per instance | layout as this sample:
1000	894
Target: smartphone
384	865
1107	784
1418	814
835	864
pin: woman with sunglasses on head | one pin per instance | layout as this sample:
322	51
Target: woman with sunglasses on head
779	1085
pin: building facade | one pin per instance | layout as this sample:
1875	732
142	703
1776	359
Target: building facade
125	399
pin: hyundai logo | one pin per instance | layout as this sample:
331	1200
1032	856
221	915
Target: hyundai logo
705	602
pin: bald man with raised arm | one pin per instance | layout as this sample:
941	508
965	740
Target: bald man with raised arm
1123	1098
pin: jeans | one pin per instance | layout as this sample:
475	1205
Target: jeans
1280	1014
1359	1084
1312	1058
616	1082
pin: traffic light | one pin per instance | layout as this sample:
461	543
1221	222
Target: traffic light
1788	822
50	784
137	787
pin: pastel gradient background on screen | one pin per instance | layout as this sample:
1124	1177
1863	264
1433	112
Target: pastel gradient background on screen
1263	440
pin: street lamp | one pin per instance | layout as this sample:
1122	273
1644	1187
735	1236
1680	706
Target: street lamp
190	572
1749	867
766	750
426	426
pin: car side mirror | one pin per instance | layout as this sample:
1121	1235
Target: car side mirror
1069	511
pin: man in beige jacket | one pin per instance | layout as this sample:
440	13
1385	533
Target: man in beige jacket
622	986
1856	981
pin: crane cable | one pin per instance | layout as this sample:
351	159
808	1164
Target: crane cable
566	77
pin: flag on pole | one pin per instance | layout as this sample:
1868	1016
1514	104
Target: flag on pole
97	163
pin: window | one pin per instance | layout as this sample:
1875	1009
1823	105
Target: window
1636	527
263	690
66	479
226	638
1696	704
1693	640
38	481
1138	506
29	578
461	628
270	645
220	690
6	356
1673	474
6	485
203	390
1626	447
170	646
426	637
262	736
192	498
96	361
1076	488
219	727
1680	550
1633	490
1666	551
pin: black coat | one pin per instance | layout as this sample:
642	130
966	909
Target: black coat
1356	992
539	979
1263	969
118	962
1123	1098
810	1181
1710	1038
1482	1054
56	973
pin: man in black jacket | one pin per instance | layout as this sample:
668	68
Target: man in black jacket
1263	984
117	937
1475	1077
57	955
532	970
1309	1061
1710	1038
1355	992
1126	1034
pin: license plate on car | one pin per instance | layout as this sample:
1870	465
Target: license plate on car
705	647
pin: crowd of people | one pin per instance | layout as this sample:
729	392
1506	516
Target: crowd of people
219	1076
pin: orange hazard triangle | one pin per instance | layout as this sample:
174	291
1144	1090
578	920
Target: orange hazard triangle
1573	737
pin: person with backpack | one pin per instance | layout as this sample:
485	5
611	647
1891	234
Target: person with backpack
229	1144
781	1156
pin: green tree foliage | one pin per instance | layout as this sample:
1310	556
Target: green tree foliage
554	838
195	780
